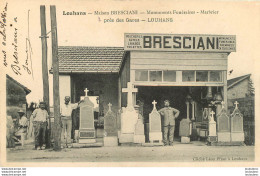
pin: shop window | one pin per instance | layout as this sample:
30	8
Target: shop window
188	76
169	76
202	76
155	75
215	76
141	75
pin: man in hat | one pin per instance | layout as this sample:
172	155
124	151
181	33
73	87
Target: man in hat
40	123
23	121
66	110
169	115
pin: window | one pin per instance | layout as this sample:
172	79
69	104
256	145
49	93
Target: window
155	75
141	75
215	76
201	76
169	76
188	76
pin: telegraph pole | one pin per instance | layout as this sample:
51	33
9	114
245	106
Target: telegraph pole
55	66
45	67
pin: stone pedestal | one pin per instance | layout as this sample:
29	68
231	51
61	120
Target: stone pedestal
139	136
110	141
185	139
128	120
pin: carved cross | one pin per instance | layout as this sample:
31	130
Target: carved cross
109	106
86	92
129	90
154	104
212	114
223	104
236	103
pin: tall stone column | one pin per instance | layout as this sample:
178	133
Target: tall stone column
188	109
193	110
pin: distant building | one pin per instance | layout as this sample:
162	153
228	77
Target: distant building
240	87
15	96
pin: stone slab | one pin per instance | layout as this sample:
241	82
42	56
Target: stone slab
203	133
185	139
126	138
212	129
77	145
154	136
212	139
237	137
110	141
87	141
224	137
140	139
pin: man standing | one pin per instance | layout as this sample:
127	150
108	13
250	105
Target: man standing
40	124
169	115
66	110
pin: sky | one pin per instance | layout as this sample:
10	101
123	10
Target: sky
233	18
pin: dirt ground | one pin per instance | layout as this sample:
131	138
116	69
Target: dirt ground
194	152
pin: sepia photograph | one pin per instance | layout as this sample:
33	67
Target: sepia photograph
129	83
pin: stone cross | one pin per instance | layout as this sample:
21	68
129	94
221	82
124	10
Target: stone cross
223	104
86	92
109	106
129	90
236	103
212	115
154	104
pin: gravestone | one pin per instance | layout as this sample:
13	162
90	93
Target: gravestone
155	128
128	117
185	130
212	137
110	128
223	126
86	124
237	131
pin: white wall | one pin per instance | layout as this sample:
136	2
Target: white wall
65	88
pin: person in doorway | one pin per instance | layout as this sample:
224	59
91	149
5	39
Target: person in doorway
40	123
66	111
169	115
23	122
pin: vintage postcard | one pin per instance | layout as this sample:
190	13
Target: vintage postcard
129	83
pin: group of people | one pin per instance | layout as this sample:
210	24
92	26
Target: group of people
41	119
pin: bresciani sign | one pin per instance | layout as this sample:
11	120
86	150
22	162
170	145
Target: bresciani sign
180	42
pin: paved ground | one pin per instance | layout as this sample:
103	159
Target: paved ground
197	151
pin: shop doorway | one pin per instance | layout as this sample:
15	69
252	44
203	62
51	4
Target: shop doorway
175	94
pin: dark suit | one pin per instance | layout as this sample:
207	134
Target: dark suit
169	115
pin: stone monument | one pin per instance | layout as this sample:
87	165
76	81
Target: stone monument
128	117
139	136
185	127
237	131
212	137
223	125
155	127
86	122
110	128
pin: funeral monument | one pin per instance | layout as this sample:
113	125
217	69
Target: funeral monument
128	117
185	127
86	126
223	125
155	127
139	136
237	131
110	128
